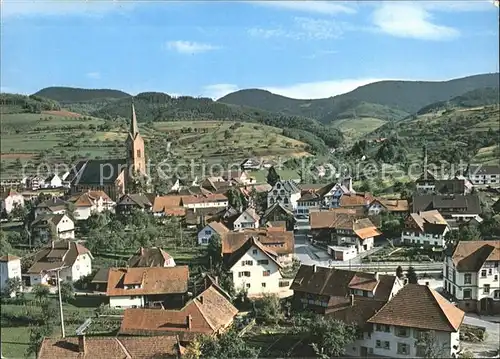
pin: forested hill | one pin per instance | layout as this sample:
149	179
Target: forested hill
65	95
405	97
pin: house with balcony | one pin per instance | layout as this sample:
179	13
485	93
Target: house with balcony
277	240
484	175
71	259
248	219
286	193
471	276
427	228
255	269
52	226
138	287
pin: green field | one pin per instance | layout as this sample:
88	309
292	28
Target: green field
356	127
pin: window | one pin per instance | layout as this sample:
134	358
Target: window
266	273
378	344
467	278
244	274
383	328
490	271
402	332
403	348
247	263
263	285
263	262
139	153
255	252
483	273
467	293
486	289
208	232
387	345
248	285
496	294
495	277
285	200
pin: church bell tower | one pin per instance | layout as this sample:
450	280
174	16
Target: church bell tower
135	148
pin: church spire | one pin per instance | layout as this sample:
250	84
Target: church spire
134	130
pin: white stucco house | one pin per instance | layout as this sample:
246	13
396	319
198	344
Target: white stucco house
286	193
140	287
247	219
484	175
209	230
427	228
53	181
9	200
10	268
216	200
255	270
471	276
90	202
51	226
151	257
73	261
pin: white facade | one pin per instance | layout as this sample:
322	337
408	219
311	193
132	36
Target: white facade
473	285
81	268
10	202
485	179
401	342
208	204
342	253
245	221
362	245
304	207
99	205
256	273
124	302
375	208
281	194
52	182
205	234
419	238
9	269
65	228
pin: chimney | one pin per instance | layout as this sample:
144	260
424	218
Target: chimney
427	283
314	268
189	321
352	300
81	343
377	277
200	298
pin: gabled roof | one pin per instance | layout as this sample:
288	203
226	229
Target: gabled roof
166	203
149	257
56	255
289	186
243	249
334	282
48	219
427	175
153	280
96	172
393	205
418	306
356	199
484	170
277	207
89	198
111	348
209	312
469	256
209	198
281	242
451	186
139	199
349	220
53	204
219	228
251	213
431	222
470	203
309	196
51	177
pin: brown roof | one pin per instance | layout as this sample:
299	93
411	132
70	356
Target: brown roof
110	348
153	280
276	224
210	198
87	199
56	255
359	313
249	243
281	242
8	258
469	256
418	306
356	199
149	257
167	204
335	282
210	312
395	205
363	227
220	228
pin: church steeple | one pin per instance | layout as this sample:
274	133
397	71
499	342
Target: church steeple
134	130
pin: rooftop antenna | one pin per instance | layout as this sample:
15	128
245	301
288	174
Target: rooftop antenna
81	329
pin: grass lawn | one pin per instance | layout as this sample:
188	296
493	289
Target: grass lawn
356	127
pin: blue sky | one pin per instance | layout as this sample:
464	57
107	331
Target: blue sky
307	49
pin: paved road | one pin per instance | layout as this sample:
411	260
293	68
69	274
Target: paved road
486	349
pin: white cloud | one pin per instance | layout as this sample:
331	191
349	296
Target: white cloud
412	20
310	6
304	28
12	8
190	47
306	90
93	75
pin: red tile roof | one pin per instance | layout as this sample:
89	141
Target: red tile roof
469	256
153	280
279	241
111	348
418	306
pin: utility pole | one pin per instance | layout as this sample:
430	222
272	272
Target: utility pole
60	303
